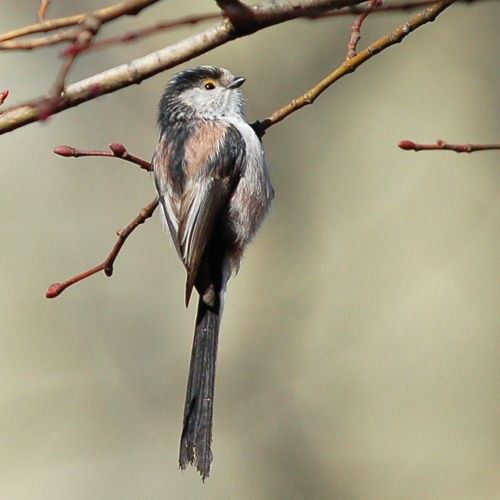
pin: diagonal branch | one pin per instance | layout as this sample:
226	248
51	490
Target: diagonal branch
42	10
266	14
105	15
350	65
116	151
356	27
107	266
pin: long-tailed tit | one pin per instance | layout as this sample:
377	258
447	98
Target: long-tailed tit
213	182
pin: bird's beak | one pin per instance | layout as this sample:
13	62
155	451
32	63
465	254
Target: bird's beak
237	82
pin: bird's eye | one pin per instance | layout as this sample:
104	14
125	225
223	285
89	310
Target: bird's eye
209	85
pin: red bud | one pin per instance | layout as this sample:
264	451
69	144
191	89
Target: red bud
66	151
53	291
118	149
3	96
407	145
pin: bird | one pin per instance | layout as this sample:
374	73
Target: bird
214	190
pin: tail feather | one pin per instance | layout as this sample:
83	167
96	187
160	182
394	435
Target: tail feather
196	436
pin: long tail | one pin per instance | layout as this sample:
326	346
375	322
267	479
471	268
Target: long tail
196	438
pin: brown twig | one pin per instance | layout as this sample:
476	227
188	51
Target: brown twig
445	146
107	266
105	15
117	150
350	65
43	41
151	30
88	30
42	11
391	7
356	28
8	42
268	14
72	33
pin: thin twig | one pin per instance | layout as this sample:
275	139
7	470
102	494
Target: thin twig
43	41
42	11
151	30
267	14
351	65
106	14
107	266
88	30
445	146
72	33
117	150
356	27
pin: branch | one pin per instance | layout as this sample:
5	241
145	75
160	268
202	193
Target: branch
444	146
107	266
356	27
42	11
71	35
89	29
350	65
116	151
132	36
266	14
105	15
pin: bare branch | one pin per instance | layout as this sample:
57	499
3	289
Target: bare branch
162	26
43	41
107	266
350	65
445	146
356	27
117	151
71	35
42	11
104	15
266	14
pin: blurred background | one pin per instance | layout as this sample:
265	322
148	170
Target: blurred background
360	349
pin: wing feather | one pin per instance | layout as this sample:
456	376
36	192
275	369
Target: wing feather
194	197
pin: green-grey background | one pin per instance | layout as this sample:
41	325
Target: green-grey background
360	349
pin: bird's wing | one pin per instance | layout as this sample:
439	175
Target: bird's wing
212	158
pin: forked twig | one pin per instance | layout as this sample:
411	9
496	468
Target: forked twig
116	151
356	27
350	65
42	11
107	266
